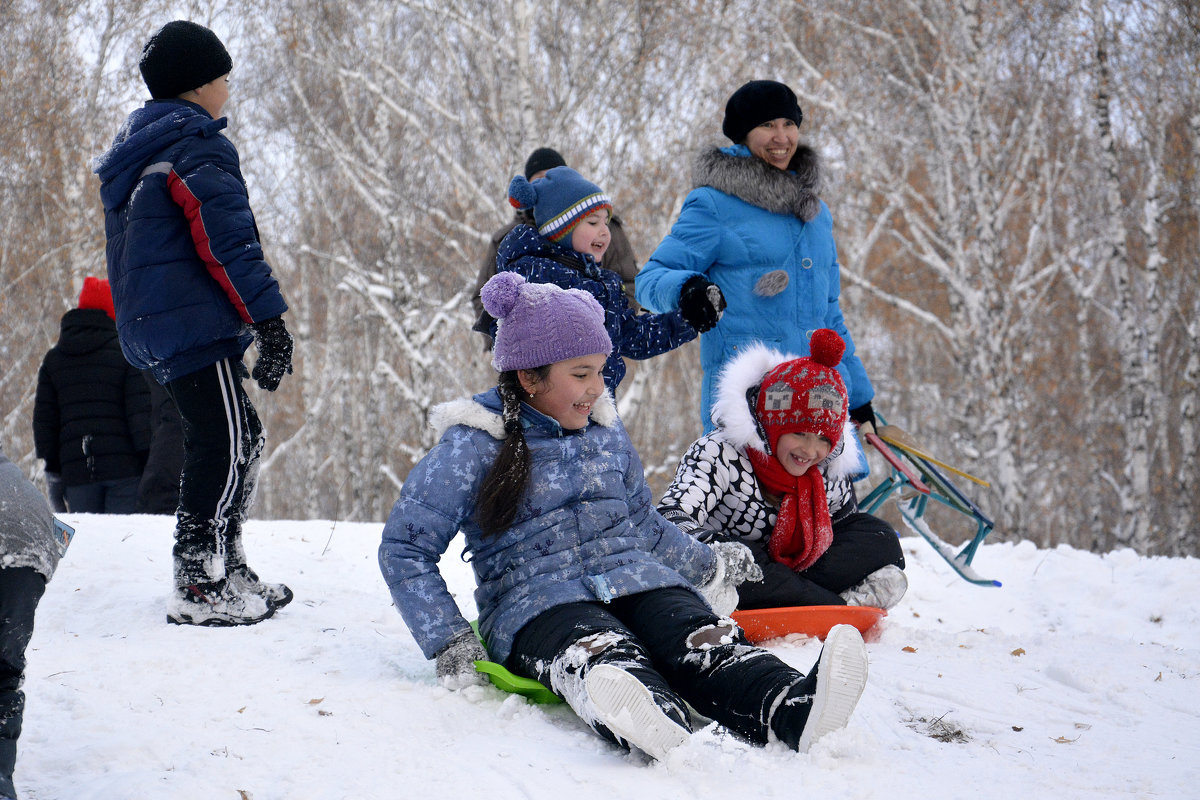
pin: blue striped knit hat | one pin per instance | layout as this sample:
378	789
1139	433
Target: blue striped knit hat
559	199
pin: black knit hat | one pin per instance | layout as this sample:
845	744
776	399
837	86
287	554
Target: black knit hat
542	159
758	102
180	57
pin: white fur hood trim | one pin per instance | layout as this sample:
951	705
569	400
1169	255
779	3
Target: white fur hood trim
731	413
470	412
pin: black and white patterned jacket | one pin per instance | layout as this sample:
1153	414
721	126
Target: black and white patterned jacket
715	494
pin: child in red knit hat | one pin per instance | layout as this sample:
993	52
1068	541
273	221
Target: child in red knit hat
776	475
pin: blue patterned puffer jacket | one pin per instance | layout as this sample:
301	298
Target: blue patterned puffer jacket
636	336
587	529
184	259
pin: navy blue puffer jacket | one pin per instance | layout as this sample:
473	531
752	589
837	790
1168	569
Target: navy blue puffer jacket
636	336
184	259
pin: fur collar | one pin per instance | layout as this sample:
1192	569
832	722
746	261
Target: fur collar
474	414
733	171
732	415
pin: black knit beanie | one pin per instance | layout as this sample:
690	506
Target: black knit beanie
542	159
180	57
758	102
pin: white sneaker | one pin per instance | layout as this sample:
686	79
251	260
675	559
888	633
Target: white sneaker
216	604
625	706
841	678
883	588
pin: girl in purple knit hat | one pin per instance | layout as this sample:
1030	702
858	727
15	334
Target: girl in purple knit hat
581	583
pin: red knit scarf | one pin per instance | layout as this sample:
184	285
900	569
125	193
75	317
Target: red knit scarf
803	530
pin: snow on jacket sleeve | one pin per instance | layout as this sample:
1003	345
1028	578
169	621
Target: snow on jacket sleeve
688	250
207	184
438	494
674	548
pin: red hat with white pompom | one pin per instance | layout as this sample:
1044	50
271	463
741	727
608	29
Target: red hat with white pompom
806	395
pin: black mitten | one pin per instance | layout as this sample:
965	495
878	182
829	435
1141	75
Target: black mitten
274	353
864	414
701	303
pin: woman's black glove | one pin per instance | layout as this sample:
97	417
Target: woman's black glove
274	353
864	414
701	303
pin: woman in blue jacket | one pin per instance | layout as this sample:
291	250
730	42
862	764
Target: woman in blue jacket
581	583
756	228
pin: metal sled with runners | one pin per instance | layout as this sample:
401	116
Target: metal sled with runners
915	478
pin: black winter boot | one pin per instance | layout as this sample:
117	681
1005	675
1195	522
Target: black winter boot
244	580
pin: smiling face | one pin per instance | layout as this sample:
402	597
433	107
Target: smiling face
591	235
568	390
774	141
797	452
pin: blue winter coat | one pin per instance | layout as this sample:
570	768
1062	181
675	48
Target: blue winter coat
747	226
636	336
184	259
586	530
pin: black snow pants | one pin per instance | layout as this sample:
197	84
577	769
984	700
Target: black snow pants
223	439
862	543
671	641
20	590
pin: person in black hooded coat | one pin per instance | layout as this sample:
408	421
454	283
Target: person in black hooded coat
91	415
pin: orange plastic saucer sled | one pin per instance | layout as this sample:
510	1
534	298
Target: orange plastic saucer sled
762	624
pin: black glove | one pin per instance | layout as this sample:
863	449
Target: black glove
701	303
274	353
56	491
864	414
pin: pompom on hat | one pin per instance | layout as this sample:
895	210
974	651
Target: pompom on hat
559	200
806	395
180	57
755	103
540	323
97	294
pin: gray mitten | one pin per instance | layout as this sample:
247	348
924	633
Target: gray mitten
735	566
456	662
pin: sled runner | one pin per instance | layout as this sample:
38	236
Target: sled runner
914	470
761	624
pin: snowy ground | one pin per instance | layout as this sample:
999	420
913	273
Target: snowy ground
1080	678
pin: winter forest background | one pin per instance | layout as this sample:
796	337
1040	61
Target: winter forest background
1014	188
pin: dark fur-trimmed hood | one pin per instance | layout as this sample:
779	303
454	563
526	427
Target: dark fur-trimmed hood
734	171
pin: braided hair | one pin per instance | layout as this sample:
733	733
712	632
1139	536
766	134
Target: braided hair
505	482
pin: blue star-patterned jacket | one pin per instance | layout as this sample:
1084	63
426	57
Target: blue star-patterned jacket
636	336
586	529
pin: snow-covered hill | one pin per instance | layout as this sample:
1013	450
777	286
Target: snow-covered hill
1079	678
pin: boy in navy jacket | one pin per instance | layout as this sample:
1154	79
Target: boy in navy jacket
192	291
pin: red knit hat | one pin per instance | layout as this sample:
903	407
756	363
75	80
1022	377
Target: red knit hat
96	293
806	395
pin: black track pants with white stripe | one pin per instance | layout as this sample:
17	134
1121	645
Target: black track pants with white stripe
223	438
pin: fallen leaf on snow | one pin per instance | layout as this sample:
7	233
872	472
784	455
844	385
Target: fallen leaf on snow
1020	651
909	649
